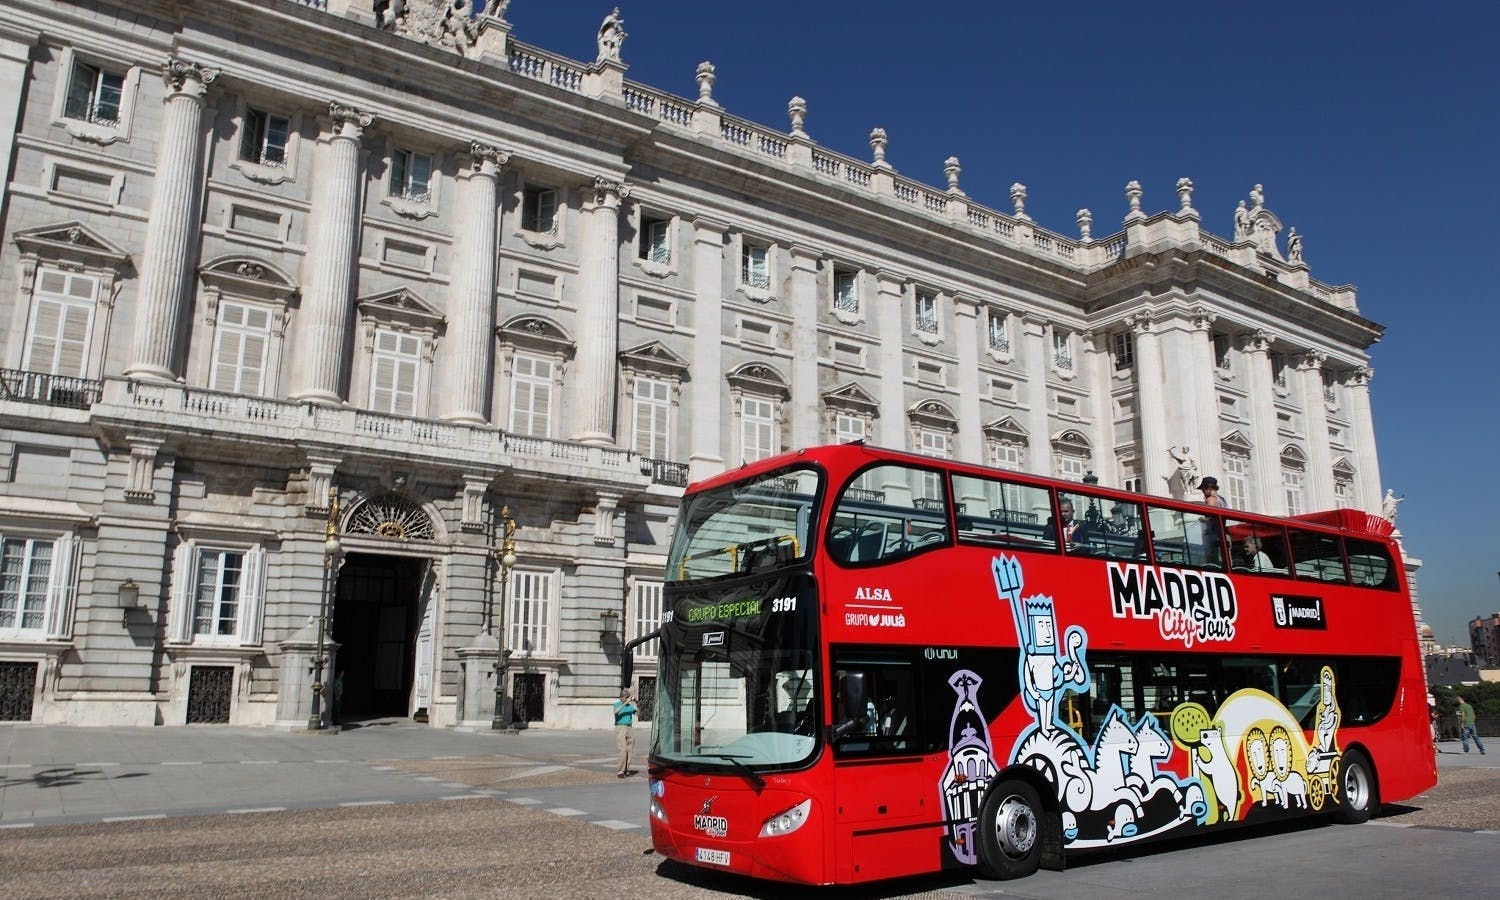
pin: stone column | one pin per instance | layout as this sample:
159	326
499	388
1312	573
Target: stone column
805	420
1265	456
15	71
1037	361
1209	450
332	249
707	408
1149	400
890	431
1102	434
593	381
1368	484
1315	413
966	338
171	231
468	350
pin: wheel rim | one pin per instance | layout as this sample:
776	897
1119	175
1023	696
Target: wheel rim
1356	787
1015	827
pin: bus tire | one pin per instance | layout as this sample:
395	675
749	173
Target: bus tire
1358	795
1010	823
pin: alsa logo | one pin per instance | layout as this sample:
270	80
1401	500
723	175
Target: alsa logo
872	593
713	826
1191	607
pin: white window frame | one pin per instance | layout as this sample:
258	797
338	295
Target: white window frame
655	236
531	201
261	150
65	304
89	128
645	613
848	427
531	619
1122	346
1062	351
844	291
651	417
250	602
1223	350
55	588
1293	487
536	384
407	352
224	331
760	432
1009	455
258	169
997	334
1237	477
404	162
755	282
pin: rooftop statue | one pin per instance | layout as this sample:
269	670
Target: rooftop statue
611	36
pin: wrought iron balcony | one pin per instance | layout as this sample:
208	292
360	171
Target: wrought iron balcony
49	390
671	474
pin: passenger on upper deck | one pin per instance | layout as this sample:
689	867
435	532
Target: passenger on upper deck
1075	533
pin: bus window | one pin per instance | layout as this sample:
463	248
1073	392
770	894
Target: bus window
1239	673
1101	526
1180	538
1370	564
1257	548
874	706
1366	687
754	525
1001	513
1317	557
890	511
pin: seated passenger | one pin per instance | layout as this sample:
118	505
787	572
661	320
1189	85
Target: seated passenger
1074	532
1255	559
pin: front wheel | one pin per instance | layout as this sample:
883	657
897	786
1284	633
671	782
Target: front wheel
1360	797
1010	824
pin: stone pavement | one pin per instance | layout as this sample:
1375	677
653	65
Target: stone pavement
60	774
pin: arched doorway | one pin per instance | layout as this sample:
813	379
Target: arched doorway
375	620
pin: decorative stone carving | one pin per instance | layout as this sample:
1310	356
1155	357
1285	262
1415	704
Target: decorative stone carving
1085	226
1018	198
611	36
1133	193
181	75
348	122
440	23
1263	225
604	519
1294	247
796	110
706	79
1185	196
952	169
1241	222
878	144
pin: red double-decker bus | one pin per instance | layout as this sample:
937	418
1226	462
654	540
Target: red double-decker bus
878	664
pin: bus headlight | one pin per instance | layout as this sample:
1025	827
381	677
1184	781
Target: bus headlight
657	811
788	821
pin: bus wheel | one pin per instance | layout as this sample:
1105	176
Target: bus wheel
1357	783
1010	844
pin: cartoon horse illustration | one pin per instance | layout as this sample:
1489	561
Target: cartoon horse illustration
1154	746
1105	780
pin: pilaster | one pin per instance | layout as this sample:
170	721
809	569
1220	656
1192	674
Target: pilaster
1155	471
706	456
804	401
1364	439
1038	362
1265	456
469	348
1315	413
966	337
593	385
891	429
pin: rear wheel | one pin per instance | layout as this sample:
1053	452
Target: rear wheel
1359	797
1010	822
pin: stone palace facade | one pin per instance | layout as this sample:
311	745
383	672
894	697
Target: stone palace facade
276	270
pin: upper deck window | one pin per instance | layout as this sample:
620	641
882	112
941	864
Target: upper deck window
745	527
890	511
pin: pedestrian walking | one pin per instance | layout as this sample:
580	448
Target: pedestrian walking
625	732
1466	726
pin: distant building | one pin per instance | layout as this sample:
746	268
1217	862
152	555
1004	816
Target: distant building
1452	670
1484	639
265	255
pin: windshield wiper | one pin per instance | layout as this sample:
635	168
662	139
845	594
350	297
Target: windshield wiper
750	774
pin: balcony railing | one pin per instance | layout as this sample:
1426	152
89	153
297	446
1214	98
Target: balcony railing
671	474
49	390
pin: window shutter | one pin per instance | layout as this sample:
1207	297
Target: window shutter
60	590
46	326
80	90
73	341
180	617
252	596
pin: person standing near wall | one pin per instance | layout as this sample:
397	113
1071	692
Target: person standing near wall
625	732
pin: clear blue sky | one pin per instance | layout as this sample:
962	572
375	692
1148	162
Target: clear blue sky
1375	128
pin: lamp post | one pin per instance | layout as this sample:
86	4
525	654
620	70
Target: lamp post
505	557
331	549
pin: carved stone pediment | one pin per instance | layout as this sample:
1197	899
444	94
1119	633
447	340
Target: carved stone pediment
402	305
933	414
759	378
1006	428
655	357
245	276
71	240
537	333
853	398
440	23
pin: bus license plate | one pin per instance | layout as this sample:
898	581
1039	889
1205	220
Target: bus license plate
716	857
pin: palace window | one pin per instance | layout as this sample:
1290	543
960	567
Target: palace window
1223	347
1124	348
216	594
530	620
754	266
645	613
61	326
1236	478
241	342
218	598
655	240
652	406
848	428
394	367
758	428
411	176
845	291
1062	350
94	94
264	138
539	210
531	396
1293	483
998	332
926	316
30	576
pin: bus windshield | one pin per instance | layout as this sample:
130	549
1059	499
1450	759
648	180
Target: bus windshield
737	685
749	526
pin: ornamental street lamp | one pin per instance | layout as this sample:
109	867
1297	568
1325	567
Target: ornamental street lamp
331	549
505	558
